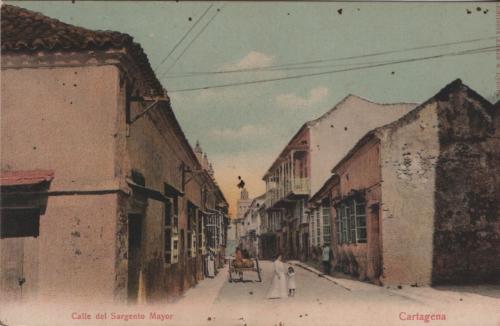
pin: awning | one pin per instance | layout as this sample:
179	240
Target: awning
23	178
171	191
148	192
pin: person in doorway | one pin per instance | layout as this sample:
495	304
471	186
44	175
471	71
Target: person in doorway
211	264
326	259
291	281
278	287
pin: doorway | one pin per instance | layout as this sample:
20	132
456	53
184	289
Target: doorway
305	244
134	255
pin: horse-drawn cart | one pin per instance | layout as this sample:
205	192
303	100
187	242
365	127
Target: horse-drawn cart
240	266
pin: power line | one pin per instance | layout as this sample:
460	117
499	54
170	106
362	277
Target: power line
289	66
472	51
184	36
192	41
352	64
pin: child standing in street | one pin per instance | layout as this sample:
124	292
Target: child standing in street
291	282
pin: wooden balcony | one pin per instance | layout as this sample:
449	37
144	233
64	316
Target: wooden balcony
288	190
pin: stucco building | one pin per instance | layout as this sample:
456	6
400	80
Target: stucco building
243	203
417	201
103	198
251	226
305	163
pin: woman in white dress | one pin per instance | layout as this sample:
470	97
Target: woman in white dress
211	265
278	287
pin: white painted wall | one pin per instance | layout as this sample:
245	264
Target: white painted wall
330	141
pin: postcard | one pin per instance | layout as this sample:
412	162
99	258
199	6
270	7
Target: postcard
249	163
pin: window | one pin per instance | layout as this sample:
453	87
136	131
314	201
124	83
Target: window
190	243
318	227
168	232
313	230
17	223
168	246
338	224
360	222
170	226
201	233
191	216
175	205
326	224
192	211
351	222
345	232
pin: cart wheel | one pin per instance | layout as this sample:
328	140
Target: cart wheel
258	269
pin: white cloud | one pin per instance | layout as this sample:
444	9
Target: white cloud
219	95
253	59
246	131
292	100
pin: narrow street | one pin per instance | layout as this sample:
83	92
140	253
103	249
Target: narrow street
148	143
320	301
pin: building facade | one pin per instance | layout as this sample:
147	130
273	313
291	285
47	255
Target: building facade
243	204
103	198
416	201
304	165
252	226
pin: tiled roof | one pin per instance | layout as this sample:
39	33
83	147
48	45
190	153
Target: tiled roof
25	31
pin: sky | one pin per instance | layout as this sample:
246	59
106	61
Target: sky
243	128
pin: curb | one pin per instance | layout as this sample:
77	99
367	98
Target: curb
315	271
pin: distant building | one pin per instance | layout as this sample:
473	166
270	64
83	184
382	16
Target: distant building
417	200
251	226
102	197
304	165
215	222
243	203
232	237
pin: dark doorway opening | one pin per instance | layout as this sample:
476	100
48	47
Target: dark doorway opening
134	255
305	245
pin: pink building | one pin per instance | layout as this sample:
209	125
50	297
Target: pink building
103	198
304	165
417	200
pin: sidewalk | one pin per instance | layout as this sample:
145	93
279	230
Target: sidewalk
210	288
345	283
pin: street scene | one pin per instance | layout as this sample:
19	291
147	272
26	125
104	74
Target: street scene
319	301
227	163
333	301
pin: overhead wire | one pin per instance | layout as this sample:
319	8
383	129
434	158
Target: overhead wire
464	52
289	66
184	37
191	42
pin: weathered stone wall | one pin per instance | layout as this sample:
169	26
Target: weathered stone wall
467	215
409	150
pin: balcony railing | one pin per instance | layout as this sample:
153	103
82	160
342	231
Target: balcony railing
301	186
297	186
